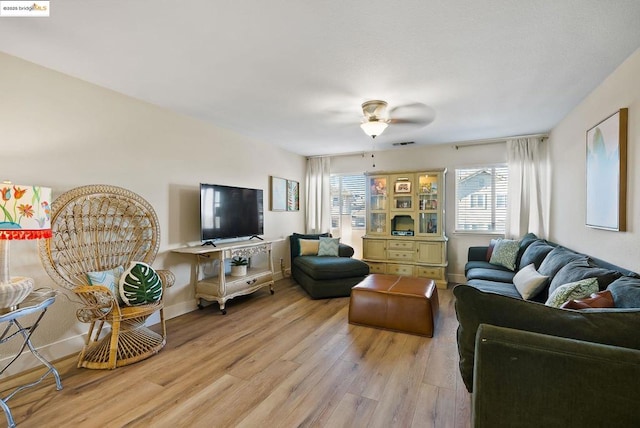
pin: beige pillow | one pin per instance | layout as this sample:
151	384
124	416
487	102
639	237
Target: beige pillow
529	282
309	247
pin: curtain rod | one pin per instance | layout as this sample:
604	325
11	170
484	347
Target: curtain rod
469	143
337	155
472	143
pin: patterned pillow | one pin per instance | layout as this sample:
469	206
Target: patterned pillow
140	285
309	247
329	247
108	278
573	290
505	253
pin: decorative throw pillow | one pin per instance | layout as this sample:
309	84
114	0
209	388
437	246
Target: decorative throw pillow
490	248
329	247
529	282
309	247
140	285
295	238
108	278
505	253
602	299
573	290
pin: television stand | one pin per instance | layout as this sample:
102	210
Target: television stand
255	236
205	243
223	286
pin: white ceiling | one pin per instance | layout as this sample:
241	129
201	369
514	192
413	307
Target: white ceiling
294	73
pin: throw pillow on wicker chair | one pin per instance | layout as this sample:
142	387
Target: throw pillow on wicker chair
108	278
140	285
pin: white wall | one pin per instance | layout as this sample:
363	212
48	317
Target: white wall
409	158
60	132
567	144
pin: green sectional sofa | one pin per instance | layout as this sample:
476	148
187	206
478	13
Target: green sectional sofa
529	364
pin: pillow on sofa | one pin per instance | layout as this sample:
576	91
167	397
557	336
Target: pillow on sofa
295	241
492	245
329	247
601	299
573	290
505	253
474	307
309	247
626	292
581	269
556	259
535	253
529	282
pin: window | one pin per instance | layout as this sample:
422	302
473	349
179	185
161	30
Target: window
348	209
481	198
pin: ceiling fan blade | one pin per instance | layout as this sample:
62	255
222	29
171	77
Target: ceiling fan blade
418	114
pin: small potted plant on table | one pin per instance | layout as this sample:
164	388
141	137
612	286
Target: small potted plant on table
239	266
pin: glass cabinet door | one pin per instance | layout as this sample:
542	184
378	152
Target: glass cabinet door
429	209
377	190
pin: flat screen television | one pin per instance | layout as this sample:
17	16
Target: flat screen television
230	212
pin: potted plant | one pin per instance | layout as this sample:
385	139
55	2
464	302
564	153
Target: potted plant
239	266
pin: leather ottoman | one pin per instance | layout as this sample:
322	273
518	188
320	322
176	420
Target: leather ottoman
399	303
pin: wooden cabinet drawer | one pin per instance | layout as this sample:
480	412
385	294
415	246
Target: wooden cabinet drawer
400	255
377	267
401	245
430	272
406	270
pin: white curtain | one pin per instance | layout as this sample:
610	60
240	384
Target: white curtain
318	191
528	209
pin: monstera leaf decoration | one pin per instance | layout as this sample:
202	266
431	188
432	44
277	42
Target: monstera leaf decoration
140	285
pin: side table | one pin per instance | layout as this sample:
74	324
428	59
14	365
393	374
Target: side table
36	303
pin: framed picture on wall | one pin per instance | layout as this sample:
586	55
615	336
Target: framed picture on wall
607	173
278	194
293	195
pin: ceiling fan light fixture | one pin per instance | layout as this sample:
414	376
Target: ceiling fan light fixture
374	127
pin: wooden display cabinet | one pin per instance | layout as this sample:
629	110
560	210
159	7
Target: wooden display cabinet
411	240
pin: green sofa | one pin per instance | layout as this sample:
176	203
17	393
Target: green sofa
532	365
321	276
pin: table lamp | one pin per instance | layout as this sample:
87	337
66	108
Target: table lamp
24	214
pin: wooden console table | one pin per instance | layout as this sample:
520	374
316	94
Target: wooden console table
224	287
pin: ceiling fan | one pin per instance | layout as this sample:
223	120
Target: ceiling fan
376	119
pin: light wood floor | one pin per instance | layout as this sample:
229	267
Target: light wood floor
273	361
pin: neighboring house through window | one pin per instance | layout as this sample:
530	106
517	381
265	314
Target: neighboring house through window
481	198
348	209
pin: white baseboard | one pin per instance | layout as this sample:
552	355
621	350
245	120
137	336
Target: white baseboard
456	278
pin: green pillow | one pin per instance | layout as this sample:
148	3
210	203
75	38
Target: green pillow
573	290
140	285
329	247
505	253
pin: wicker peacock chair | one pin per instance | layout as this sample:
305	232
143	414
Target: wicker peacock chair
97	228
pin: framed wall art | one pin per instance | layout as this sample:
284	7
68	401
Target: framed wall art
607	173
293	195
403	187
278	194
